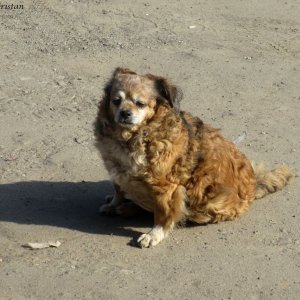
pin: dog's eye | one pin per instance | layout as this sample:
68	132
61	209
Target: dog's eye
117	101
140	104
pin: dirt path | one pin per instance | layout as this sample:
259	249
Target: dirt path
239	68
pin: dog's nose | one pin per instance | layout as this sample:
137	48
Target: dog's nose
125	113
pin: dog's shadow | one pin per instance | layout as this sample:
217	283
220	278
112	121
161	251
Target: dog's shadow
72	205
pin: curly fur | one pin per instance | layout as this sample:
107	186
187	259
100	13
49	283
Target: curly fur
174	165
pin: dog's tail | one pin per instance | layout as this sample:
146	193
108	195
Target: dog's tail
268	182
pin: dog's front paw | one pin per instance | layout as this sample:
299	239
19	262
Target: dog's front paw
107	209
152	238
109	199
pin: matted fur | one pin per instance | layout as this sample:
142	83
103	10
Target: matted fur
170	162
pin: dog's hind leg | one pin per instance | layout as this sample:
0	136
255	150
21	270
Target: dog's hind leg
225	206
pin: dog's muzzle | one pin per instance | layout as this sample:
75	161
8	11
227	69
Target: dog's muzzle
125	117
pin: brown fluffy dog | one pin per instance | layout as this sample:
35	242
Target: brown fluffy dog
168	162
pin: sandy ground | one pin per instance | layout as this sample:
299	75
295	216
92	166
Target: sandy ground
239	69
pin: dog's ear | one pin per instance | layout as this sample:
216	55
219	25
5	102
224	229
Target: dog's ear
168	92
107	92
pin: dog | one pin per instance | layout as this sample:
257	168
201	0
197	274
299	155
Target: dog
168	162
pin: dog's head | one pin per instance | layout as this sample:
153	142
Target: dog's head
131	99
